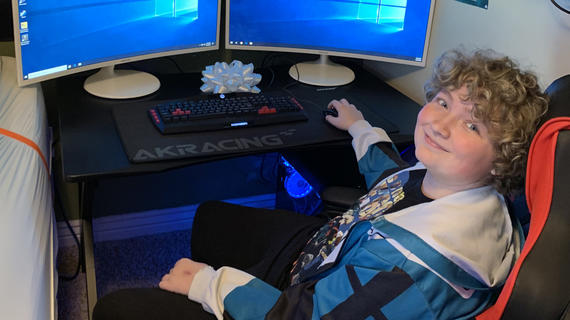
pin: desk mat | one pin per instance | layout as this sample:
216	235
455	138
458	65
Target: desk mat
144	143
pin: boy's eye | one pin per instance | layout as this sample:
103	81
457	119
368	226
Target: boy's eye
442	103
471	126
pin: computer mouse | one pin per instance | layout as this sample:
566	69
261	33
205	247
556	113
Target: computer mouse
330	112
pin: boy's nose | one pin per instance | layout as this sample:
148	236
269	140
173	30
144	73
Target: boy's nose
442	126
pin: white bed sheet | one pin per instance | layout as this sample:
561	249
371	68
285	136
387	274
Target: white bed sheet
28	244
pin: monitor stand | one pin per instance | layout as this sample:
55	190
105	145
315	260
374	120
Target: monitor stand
322	72
121	84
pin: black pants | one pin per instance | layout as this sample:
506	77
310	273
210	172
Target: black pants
261	242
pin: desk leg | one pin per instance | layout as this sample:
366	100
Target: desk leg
89	265
86	193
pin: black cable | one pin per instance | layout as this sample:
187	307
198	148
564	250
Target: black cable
560	7
297	71
291	84
265	58
294	63
269	61
272	77
171	59
273	170
261	166
302	101
75	237
271	57
295	81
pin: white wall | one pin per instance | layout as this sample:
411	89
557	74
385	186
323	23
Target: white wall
533	32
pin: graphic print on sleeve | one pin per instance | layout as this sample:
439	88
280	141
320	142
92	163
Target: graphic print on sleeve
323	248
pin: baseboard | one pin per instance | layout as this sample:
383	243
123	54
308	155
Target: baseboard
130	225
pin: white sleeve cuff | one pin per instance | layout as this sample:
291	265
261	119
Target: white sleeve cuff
201	289
364	135
201	283
358	128
210	287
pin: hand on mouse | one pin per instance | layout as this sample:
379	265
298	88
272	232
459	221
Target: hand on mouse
347	114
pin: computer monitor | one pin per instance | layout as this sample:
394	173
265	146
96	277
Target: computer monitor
385	30
56	38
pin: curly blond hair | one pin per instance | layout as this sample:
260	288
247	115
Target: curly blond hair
508	100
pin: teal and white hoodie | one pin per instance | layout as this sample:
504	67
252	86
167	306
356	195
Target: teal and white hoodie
444	259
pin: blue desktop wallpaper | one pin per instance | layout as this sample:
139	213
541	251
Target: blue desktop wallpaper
393	28
91	31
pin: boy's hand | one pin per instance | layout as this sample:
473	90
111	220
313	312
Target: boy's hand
347	114
180	278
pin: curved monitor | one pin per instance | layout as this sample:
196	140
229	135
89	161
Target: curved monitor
384	30
56	38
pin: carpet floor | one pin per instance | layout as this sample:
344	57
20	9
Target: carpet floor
128	263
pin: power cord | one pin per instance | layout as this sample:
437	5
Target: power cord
269	59
59	204
171	59
273	170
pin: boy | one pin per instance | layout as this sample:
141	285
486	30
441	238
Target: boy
430	241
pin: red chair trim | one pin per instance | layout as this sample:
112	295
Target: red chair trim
539	185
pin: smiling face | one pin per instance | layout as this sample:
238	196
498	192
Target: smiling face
454	147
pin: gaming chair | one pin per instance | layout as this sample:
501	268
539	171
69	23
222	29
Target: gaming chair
538	287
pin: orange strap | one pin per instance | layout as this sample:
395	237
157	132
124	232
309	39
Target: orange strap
27	141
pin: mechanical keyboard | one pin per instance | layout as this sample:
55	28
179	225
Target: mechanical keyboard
225	111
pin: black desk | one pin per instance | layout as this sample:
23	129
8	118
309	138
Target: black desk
91	148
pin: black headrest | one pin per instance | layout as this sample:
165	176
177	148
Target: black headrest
559	93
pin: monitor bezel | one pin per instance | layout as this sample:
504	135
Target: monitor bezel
112	62
336	53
